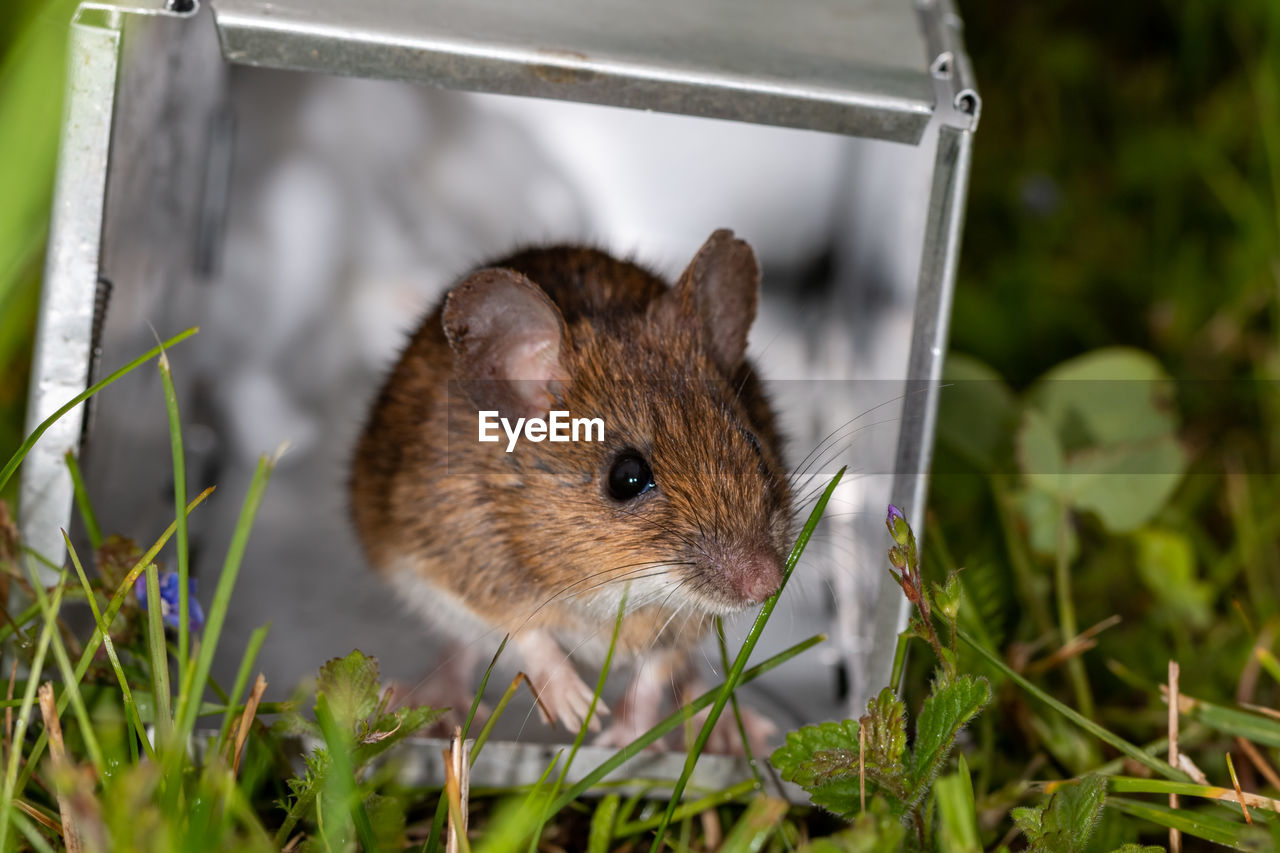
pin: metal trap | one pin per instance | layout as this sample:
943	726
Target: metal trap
183	119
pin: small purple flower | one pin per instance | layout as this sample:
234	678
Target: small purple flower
897	524
169	600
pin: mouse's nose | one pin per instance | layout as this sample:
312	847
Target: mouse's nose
754	576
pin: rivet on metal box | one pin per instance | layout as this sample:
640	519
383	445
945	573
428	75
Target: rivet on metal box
276	173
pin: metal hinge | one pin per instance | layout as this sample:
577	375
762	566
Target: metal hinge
949	65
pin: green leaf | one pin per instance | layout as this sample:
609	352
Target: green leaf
874	831
977	412
946	599
1099	433
350	685
1139	848
957	815
886	722
1108	396
386	814
1064	821
1040	455
1202	824
1039	512
1125	485
376	737
823	759
947	710
1167	565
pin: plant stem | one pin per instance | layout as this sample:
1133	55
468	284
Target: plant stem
1067	613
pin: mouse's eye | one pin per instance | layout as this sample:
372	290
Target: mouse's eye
630	476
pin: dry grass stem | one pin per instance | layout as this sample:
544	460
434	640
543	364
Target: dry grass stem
246	721
1259	762
61	768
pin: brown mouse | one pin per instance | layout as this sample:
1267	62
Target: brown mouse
684	502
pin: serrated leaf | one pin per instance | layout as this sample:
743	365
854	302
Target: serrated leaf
389	729
886	722
1064	822
823	759
945	712
350	685
1139	848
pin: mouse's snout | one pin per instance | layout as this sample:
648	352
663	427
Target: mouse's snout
752	576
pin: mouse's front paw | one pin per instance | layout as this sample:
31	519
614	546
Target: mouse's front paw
561	692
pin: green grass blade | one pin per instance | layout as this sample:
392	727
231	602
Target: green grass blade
740	662
600	835
256	640
1224	796
29	831
198	677
676	719
179	501
159	661
71	686
733	706
130	706
756	826
689	809
20	725
25	448
586	721
1135	752
1245	724
95	639
343	776
83	503
1210	827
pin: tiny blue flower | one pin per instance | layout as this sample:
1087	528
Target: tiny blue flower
169	600
897	524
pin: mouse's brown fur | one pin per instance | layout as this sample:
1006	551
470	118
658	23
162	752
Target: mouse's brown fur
532	539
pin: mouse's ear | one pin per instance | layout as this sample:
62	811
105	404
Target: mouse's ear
722	286
508	340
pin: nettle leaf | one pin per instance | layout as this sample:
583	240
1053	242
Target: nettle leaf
824	759
886	722
947	710
1064	822
350	685
376	737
